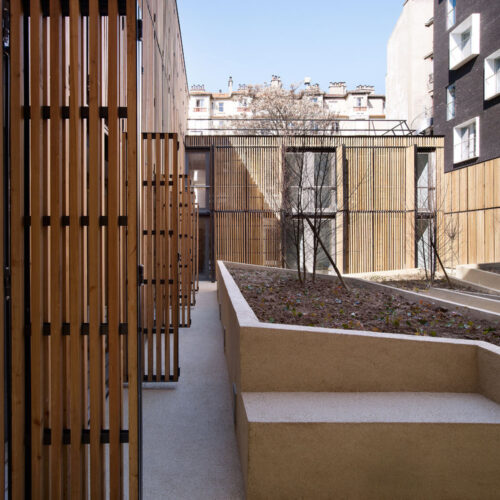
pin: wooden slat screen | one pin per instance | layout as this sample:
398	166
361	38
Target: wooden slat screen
375	219
168	241
73	223
247	200
470	229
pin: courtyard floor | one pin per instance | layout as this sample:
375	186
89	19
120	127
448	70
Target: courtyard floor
189	444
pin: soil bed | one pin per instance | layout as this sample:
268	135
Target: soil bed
278	297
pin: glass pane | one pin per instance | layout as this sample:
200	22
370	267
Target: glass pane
201	197
197	167
327	236
294	167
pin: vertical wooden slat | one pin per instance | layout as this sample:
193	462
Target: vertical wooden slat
168	255
175	256
56	283
134	414
149	311
46	250
17	250
95	342
75	251
115	390
37	254
158	254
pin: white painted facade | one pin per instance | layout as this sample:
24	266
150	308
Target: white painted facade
205	108
409	79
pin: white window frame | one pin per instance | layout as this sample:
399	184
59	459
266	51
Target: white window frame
220	107
451	13
459	145
491	77
451	101
459	54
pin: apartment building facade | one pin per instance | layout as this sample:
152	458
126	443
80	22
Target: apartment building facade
467	80
409	78
211	112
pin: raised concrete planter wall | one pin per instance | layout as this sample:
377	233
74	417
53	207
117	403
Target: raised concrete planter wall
272	357
473	273
326	413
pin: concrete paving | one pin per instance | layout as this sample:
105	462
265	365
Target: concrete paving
190	449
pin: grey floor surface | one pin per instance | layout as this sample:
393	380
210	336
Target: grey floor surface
189	444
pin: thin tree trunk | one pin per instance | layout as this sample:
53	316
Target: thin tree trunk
327	253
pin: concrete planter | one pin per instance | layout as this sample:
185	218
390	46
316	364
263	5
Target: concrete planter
327	413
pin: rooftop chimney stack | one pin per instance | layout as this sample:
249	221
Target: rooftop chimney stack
307	81
338	88
276	81
230	84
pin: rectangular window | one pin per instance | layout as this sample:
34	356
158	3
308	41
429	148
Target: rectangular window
450	14
450	102
426	181
197	163
221	107
302	245
311	182
466	141
492	75
200	103
464	41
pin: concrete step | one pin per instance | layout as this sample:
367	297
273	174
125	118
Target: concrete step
369	445
465	298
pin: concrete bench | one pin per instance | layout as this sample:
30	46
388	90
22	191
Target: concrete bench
369	445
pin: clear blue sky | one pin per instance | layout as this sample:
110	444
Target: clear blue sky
328	40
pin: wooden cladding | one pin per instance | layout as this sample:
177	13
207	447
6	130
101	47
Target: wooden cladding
168	247
470	227
380	205
375	222
73	224
165	96
253	238
246	204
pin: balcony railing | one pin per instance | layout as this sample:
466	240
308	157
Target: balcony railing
200	110
322	127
